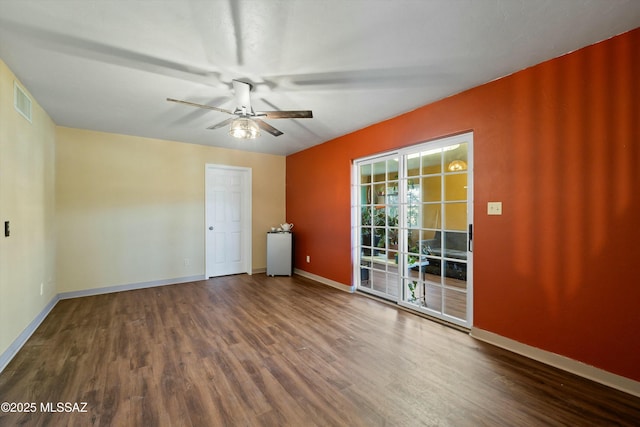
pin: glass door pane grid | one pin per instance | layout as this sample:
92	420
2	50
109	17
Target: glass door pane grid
425	277
378	219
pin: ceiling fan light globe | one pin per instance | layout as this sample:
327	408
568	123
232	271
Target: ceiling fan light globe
244	128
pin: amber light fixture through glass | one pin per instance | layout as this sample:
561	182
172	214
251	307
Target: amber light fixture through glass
457	165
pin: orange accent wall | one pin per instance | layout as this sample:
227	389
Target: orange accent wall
559	145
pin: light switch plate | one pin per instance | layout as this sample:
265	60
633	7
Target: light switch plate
494	208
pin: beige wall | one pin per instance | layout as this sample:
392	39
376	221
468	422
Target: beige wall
131	210
27	179
91	210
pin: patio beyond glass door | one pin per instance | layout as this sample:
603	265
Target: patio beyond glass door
414	223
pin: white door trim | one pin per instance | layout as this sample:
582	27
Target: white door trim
246	218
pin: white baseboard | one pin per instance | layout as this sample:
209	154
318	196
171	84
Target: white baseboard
325	281
17	344
561	362
21	339
129	287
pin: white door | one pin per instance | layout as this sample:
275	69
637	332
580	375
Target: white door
228	220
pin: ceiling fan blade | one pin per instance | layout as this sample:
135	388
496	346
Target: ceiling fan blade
243	97
193	104
267	127
301	114
112	54
222	123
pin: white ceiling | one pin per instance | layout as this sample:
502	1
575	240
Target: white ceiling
109	65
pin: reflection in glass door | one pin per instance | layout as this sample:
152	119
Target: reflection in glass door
414	221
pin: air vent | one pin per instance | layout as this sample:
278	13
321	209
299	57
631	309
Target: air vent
21	101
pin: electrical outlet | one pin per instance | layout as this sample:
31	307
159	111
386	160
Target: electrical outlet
187	262
494	208
308	258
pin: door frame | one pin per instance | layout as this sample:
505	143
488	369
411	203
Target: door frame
246	218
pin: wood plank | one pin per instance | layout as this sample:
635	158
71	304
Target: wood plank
257	350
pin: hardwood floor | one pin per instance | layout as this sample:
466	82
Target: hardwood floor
261	351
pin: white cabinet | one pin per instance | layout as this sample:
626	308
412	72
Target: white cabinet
280	254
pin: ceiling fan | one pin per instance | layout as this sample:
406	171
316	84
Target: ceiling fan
248	123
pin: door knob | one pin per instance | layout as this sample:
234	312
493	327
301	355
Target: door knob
211	227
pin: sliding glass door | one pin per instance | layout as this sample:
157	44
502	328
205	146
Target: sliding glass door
378	231
414	222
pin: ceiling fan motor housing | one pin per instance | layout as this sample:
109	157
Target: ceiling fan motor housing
248	125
